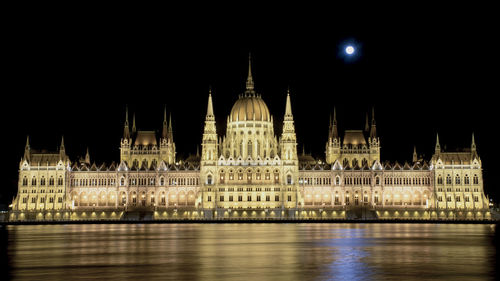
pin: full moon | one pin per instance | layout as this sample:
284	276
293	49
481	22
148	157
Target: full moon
349	50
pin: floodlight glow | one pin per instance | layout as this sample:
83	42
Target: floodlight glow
349	50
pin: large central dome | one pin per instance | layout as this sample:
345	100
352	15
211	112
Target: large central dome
250	108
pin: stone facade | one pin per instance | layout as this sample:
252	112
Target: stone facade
250	172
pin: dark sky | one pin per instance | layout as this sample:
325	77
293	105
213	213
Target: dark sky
423	72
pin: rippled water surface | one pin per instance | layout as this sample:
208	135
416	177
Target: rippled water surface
250	252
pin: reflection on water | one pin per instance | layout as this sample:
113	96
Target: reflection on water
250	252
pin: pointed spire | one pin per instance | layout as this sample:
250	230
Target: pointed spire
62	144
134	129
210	108
373	130
288	108
87	156
473	145
27	149
164	132
62	150
170	130
126	131
438	146
250	84
335	133
415	157
197	151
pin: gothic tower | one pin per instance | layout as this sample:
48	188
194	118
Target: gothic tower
167	145
288	145
333	143
209	151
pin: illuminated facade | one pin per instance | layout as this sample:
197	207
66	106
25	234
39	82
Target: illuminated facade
250	172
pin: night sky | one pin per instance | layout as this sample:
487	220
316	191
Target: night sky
73	75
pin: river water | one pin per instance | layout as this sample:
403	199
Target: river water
249	252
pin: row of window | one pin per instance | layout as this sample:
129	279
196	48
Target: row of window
42	200
458	179
258	198
41	191
407	181
317	181
366	181
458	199
43	181
248	177
149	181
93	182
449	189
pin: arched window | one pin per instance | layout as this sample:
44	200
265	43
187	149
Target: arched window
221	177
457	179
209	179
249	149
466	179
42	181
162	181
60	181
448	179
25	181
289	179
440	180
337	180
122	181
476	179
51	181
377	180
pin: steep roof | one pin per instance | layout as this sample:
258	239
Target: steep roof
145	138
45	158
354	137
456	157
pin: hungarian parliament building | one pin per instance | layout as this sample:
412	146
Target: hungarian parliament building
250	173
